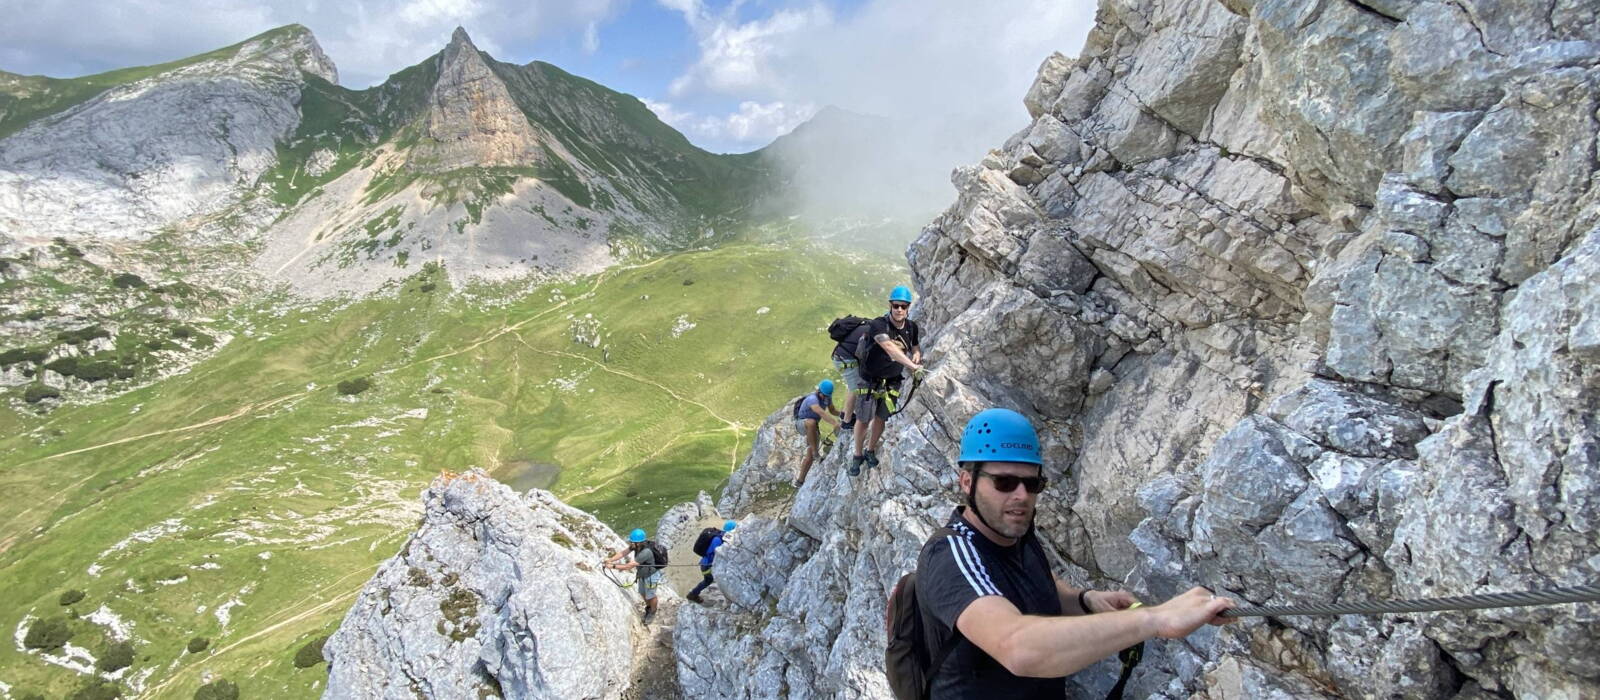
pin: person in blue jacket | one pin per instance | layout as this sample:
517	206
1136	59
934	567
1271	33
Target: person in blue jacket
709	559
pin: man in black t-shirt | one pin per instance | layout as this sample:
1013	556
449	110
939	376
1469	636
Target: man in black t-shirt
896	346
1018	630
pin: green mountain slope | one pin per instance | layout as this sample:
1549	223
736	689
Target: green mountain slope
605	152
247	500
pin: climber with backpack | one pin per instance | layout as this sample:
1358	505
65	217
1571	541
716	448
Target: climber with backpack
846	332
891	344
706	546
808	409
984	617
649	563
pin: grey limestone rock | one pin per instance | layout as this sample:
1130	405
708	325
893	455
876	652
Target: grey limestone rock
180	145
1306	313
493	594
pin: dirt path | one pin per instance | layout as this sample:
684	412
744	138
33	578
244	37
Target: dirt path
655	661
732	426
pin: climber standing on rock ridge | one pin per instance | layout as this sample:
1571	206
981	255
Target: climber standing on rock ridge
892	345
990	617
808	410
706	546
649	561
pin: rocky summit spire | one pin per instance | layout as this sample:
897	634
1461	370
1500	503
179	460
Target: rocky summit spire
472	120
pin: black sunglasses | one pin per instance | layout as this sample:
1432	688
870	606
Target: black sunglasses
1006	483
899	305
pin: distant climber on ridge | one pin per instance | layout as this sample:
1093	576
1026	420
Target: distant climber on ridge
706	546
891	345
985	575
649	560
815	406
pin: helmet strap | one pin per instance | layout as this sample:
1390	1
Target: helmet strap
972	502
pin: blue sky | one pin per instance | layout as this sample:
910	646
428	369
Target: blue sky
731	74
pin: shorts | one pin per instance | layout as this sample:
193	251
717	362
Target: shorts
875	404
800	425
851	374
647	585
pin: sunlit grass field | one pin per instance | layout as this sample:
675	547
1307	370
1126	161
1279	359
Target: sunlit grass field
248	500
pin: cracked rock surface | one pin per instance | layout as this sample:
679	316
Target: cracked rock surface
1303	298
169	150
494	595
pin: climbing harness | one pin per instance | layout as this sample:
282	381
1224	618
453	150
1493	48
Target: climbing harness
1548	596
889	395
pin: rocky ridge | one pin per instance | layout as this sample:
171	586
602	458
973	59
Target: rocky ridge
495	595
169	150
1302	297
490	170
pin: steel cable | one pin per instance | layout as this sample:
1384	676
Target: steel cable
1550	596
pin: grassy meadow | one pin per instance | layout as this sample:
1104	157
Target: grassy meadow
247	500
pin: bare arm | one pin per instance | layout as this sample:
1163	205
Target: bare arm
895	353
610	561
1099	601
1050	647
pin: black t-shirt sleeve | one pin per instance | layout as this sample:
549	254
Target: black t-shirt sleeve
949	578
880	326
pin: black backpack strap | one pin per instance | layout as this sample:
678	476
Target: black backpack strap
936	661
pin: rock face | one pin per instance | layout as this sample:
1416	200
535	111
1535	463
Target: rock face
1303	298
472	120
167	150
493	595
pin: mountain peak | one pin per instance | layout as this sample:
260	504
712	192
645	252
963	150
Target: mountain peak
472	120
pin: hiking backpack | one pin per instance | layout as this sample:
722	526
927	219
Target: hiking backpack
660	553
906	660
842	327
703	542
863	349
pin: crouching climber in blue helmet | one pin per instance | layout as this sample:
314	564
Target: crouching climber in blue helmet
706	546
808	409
985	575
649	564
892	346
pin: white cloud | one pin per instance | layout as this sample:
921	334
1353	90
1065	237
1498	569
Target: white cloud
367	39
950	75
591	38
737	57
754	124
667	113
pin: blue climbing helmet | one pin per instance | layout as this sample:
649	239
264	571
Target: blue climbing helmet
729	526
636	536
901	293
1000	435
826	387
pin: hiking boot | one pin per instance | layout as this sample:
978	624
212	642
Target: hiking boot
695	598
855	465
847	426
648	616
872	459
